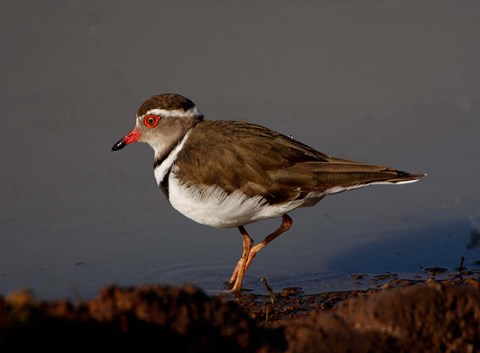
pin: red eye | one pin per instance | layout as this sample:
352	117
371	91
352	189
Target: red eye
151	120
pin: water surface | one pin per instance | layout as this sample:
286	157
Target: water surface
395	83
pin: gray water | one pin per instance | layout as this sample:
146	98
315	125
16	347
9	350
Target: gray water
386	82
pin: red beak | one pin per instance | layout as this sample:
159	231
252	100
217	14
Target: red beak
128	139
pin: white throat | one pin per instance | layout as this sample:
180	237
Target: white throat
161	170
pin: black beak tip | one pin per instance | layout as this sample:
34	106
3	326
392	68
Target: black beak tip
118	146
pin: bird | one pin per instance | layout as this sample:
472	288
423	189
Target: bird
227	174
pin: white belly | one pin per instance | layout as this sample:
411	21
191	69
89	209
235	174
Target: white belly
214	207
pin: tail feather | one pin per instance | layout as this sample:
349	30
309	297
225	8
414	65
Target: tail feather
340	175
405	178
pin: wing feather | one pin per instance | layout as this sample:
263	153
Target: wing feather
259	161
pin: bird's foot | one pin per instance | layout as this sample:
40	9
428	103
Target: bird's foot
237	276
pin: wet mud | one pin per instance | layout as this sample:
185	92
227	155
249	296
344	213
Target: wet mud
437	313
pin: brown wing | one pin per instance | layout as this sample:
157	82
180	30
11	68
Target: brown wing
258	161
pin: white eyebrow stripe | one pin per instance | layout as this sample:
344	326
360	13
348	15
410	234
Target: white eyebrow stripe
192	112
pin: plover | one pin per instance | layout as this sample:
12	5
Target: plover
228	174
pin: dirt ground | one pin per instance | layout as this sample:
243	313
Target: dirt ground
437	313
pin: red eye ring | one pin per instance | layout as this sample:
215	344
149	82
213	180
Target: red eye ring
151	120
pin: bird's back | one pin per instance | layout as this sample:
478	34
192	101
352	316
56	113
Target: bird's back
260	162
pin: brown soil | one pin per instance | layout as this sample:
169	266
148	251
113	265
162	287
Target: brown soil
398	315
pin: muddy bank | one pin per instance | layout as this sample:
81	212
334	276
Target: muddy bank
415	316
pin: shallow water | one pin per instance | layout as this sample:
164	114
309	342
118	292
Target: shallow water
394	84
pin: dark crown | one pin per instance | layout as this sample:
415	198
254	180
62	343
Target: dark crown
167	101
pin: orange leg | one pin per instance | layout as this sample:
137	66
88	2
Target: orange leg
286	224
237	276
249	252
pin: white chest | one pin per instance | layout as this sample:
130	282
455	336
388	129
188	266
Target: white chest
214	207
